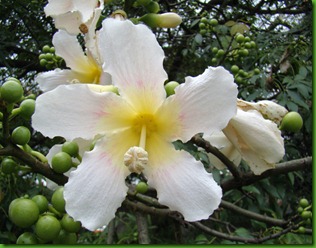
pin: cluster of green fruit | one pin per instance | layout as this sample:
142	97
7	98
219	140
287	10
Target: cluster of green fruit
44	222
304	209
206	25
62	161
49	59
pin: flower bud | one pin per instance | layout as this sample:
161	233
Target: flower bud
166	20
269	109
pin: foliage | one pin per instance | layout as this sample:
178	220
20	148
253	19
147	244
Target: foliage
271	61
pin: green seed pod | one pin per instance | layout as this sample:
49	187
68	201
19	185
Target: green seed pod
11	91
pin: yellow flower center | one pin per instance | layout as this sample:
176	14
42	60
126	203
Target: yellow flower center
146	120
136	158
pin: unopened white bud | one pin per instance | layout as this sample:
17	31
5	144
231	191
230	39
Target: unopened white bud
169	20
269	109
136	158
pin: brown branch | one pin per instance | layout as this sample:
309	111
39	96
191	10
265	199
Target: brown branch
199	141
142	227
281	168
252	215
111	232
241	239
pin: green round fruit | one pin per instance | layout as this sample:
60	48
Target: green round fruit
203	31
239	80
234	69
142	187
256	71
41	202
243	52
8	165
248	45
214	50
247	39
170	87
306	214
204	20
21	135
152	7
220	53
23	212
240	38
27	238
301	229
27	108
49	56
253	44
291	122
69	224
41	56
52	50
61	162
300	209
58	200
71	148
65	238
11	91
46	49
304	203
47	228
43	62
202	25
213	22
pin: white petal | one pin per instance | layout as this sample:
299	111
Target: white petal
68	47
69	21
96	188
204	103
258	140
57	7
134	59
181	182
86	8
222	143
51	79
74	111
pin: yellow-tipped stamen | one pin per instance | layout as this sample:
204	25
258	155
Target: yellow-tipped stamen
142	140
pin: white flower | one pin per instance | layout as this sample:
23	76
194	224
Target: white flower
73	15
138	128
84	68
258	140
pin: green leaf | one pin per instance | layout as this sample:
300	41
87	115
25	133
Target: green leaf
243	232
230	23
297	99
198	39
239	28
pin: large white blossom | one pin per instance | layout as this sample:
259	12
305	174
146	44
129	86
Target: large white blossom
138	127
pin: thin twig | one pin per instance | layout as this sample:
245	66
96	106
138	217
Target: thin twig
281	168
111	232
252	215
142	227
200	142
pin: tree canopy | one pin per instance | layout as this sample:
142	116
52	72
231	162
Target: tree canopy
267	47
